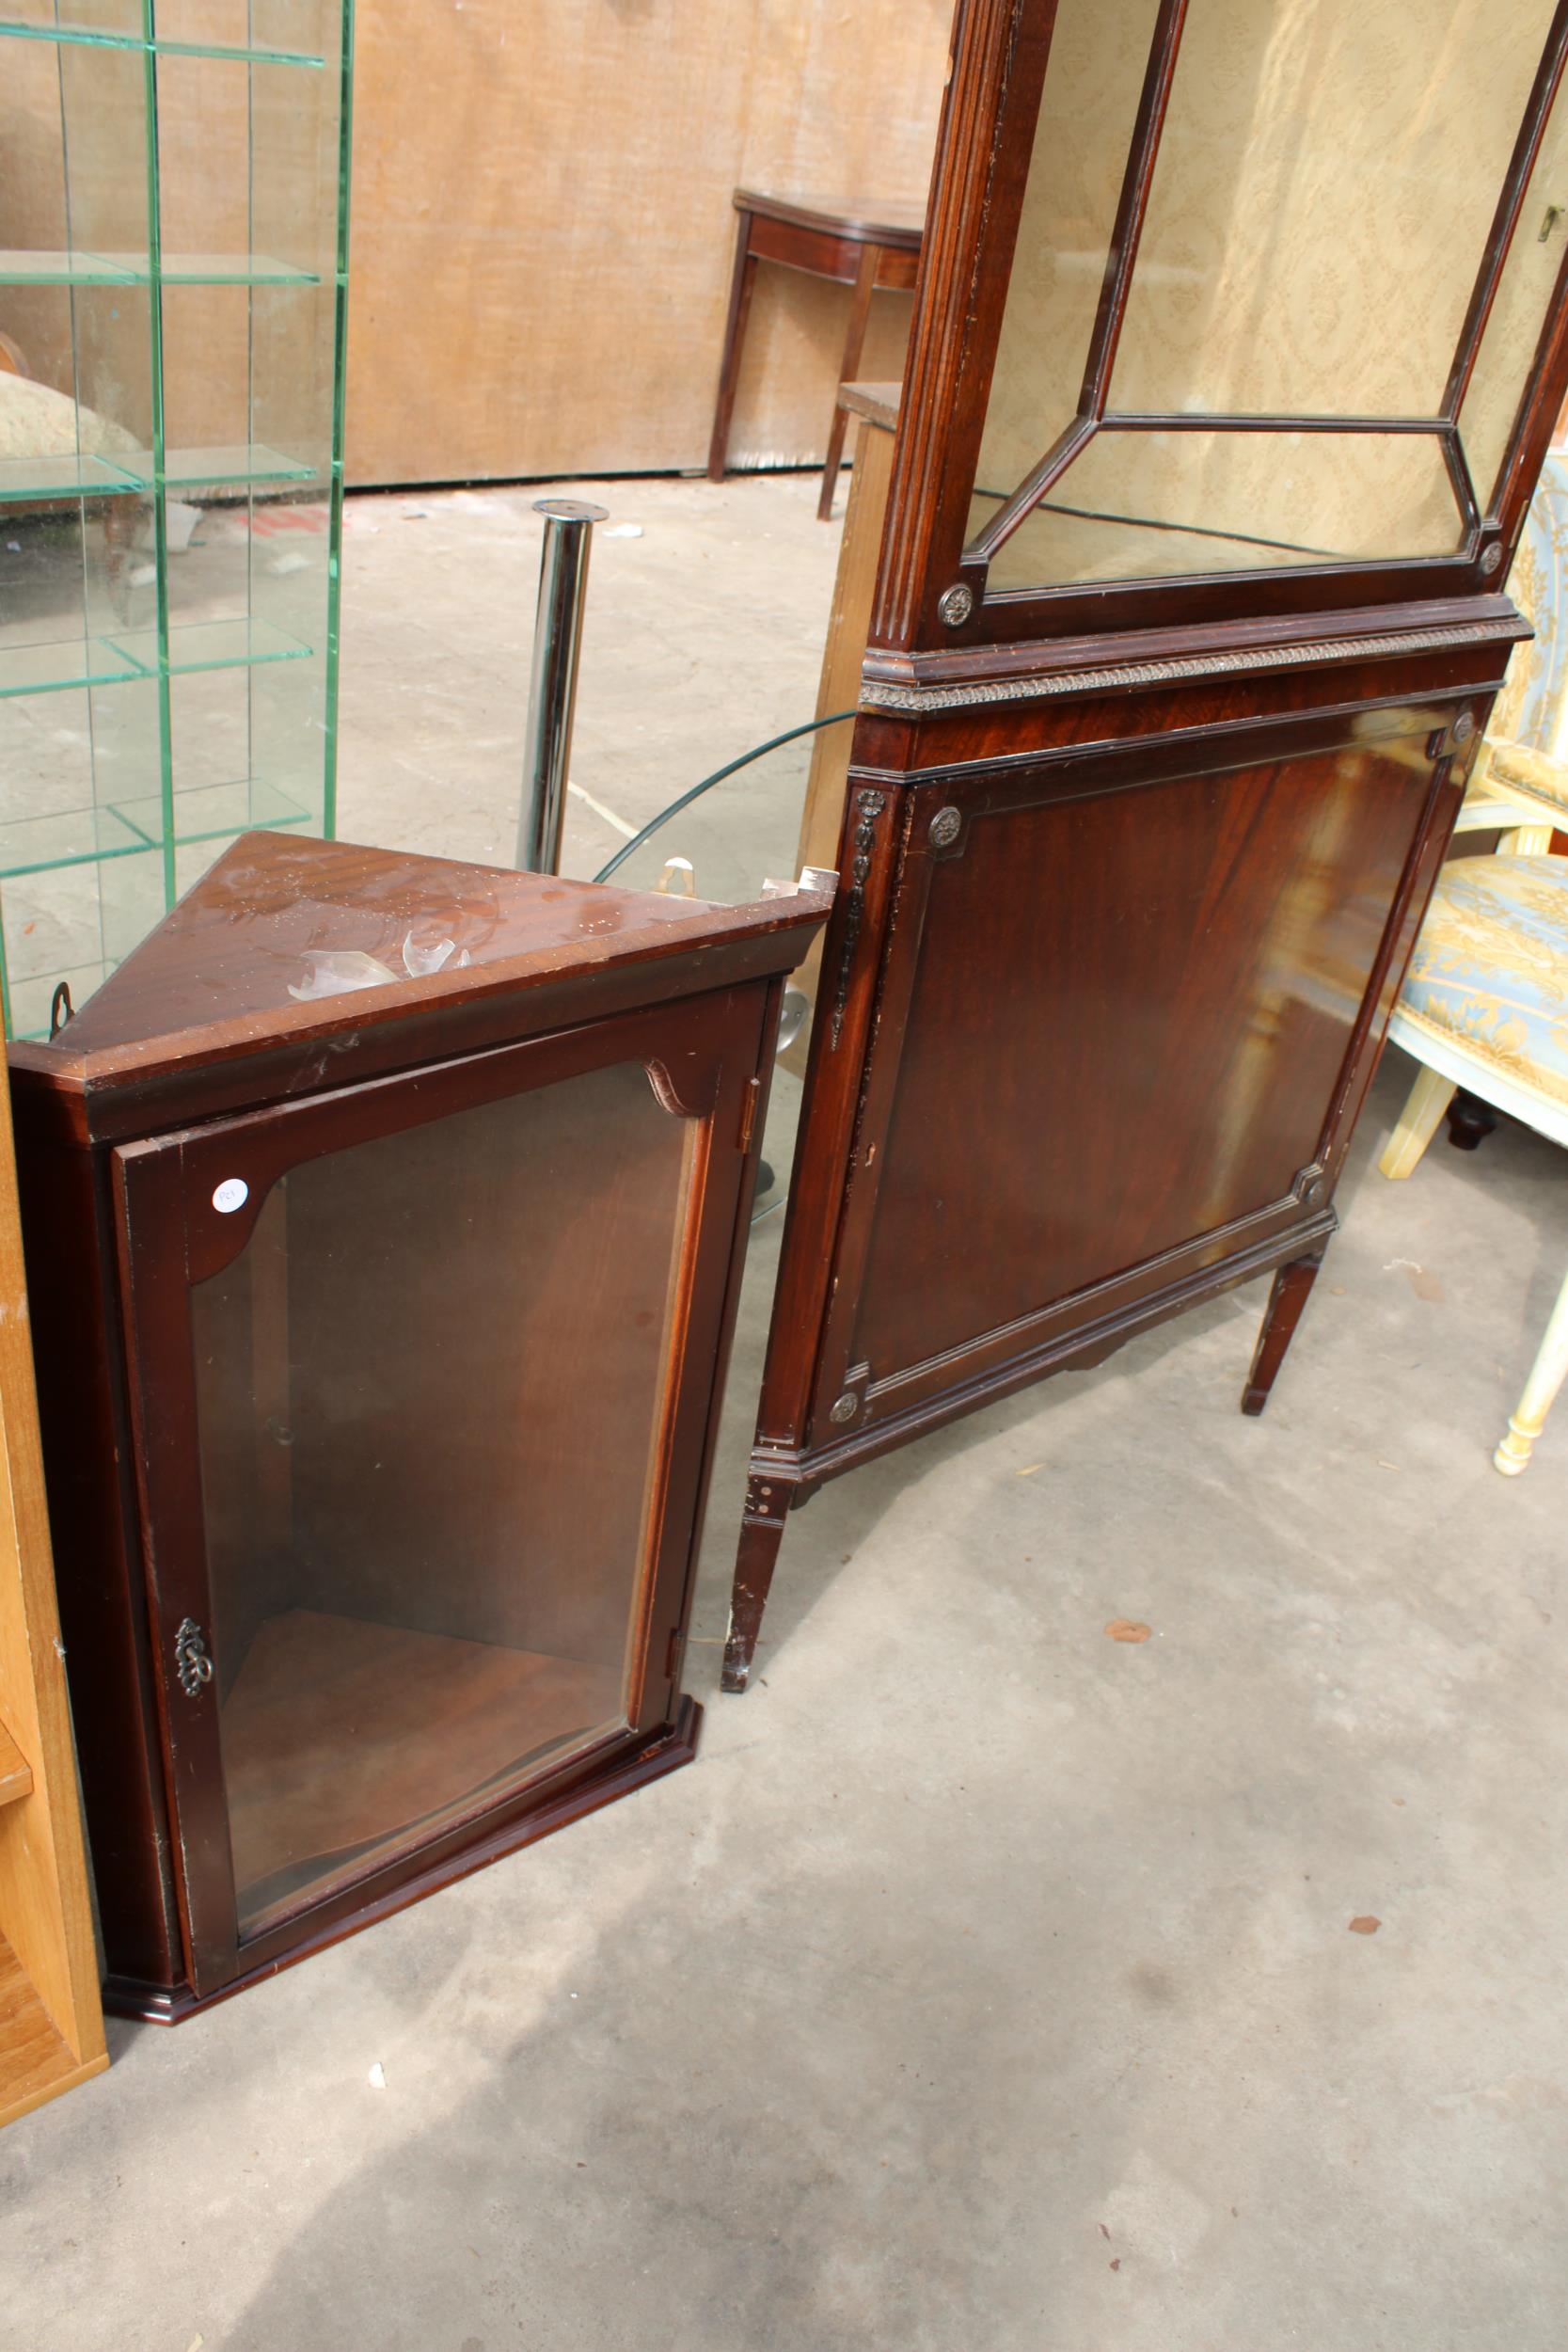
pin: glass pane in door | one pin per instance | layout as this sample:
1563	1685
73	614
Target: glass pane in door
1265	367
430	1390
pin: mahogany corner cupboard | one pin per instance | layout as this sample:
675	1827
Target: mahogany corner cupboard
384	1219
1239	338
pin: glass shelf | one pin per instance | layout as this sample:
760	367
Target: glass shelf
31	999
213	812
68	476
93	37
242	461
213	269
21	266
79	837
207	645
244	57
129	654
76	662
148	651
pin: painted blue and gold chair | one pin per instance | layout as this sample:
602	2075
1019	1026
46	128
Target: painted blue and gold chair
1485	1004
1520	779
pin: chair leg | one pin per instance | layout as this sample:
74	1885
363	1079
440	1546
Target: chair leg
854	343
1470	1121
741	278
1547	1374
1528	841
1289	1295
1428	1099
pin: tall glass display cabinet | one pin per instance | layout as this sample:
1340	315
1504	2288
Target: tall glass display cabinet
173	227
1238	346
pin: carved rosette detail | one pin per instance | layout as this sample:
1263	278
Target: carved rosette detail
1311	1186
944	827
868	807
879	695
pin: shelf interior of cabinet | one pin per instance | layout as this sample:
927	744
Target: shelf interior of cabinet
212	812
95	36
29	998
35	2059
129	754
120	657
16	1774
209	812
344	1739
240	461
205	645
74	836
70	476
24	266
51	668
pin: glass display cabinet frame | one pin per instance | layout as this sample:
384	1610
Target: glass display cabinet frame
382	1315
1159	279
1240	337
173	277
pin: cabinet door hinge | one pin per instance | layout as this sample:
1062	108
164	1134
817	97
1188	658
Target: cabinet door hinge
749	1102
671	1653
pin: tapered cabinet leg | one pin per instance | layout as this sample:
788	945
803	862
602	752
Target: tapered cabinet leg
1525	1423
741	278
1286	1301
1428	1099
854	343
761	1533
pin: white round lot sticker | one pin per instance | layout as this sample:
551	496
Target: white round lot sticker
230	1194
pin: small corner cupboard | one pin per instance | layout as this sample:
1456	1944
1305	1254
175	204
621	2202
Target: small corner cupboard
384	1219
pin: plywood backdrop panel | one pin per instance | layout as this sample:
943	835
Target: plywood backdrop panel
543	231
542	224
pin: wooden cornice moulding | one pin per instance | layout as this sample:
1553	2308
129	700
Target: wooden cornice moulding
1030	686
1019	672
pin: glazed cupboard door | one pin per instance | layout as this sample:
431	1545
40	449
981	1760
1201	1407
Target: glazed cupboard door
1252	293
418	1470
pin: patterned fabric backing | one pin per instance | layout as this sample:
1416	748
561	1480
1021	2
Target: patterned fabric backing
1490	971
1517	768
1532	708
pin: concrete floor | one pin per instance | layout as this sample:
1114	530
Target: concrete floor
988	1984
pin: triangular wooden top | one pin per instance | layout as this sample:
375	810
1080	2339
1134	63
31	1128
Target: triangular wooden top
217	975
201	1020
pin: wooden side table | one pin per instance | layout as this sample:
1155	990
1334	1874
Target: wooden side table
865	246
